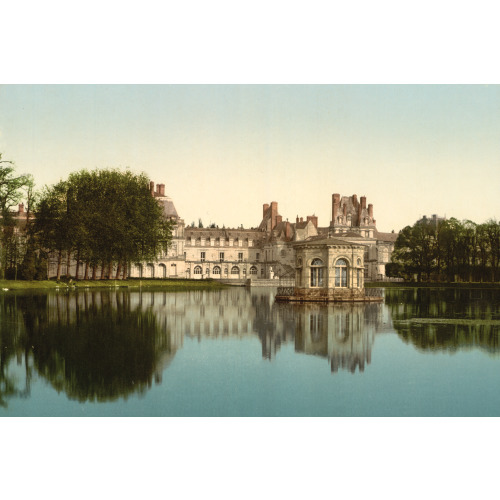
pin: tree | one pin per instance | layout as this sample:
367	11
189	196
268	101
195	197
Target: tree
12	189
415	250
102	218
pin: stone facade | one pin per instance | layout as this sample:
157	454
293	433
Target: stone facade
327	270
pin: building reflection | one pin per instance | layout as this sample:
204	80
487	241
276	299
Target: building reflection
342	333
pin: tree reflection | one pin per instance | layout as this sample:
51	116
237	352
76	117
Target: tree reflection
94	346
448	319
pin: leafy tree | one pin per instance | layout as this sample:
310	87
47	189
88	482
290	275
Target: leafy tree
12	189
102	218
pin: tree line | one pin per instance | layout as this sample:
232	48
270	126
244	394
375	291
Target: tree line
102	220
447	250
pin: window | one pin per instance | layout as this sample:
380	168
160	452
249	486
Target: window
221	256
197	270
316	273
202	256
341	273
257	256
240	257
235	270
216	270
253	270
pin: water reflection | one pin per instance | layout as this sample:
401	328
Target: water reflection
104	345
447	319
94	346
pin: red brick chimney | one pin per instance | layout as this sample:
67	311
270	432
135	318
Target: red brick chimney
288	231
335	206
313	219
274	214
152	188
160	189
363	202
370	210
265	208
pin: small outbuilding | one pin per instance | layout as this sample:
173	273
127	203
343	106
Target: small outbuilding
328	270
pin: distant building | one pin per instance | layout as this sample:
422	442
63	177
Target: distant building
266	252
434	220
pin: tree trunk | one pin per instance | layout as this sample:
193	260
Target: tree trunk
59	259
110	270
68	263
77	264
118	270
94	271
86	275
103	270
125	270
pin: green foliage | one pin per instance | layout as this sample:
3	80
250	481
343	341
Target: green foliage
102	216
450	251
12	189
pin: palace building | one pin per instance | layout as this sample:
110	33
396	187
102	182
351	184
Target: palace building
267	252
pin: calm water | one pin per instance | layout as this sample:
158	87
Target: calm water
237	352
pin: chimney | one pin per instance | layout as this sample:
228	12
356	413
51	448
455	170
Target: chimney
313	219
355	200
160	189
279	219
274	214
363	202
288	230
21	208
370	210
345	210
335	206
302	219
265	208
297	220
152	188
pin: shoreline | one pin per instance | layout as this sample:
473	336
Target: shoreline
412	284
134	283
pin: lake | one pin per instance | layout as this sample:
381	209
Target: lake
236	352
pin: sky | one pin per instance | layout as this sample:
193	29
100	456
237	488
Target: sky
222	151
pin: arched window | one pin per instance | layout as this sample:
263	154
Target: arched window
235	270
207	271
253	270
216	270
150	270
138	270
163	270
341	273
197	270
316	273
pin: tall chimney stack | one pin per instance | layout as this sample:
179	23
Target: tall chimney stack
152	188
363	202
274	214
265	208
370	210
335	206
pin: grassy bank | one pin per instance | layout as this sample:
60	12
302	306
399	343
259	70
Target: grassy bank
392	284
164	284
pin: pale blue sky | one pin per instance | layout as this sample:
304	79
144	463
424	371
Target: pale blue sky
223	151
